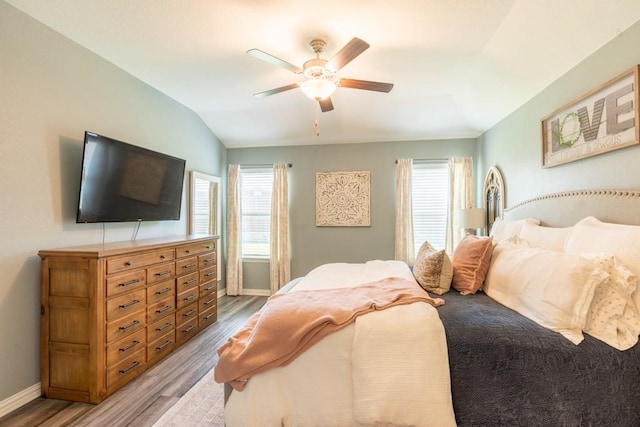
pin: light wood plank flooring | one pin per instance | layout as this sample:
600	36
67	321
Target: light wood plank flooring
146	399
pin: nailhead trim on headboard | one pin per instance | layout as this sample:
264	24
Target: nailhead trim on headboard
563	194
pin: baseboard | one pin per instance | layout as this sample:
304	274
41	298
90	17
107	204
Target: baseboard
256	292
250	292
19	399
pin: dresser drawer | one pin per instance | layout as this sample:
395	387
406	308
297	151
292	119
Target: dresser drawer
206	303
126	304
195	248
126	282
161	309
208	288
126	325
208	317
187	297
132	262
186	265
127	369
161	327
186	314
207	274
161	347
161	291
125	347
162	272
186	282
207	260
187	330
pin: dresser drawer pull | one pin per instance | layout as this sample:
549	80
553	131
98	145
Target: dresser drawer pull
163	327
211	273
125	327
163	291
163	309
210	302
130	367
189	298
164	273
189	265
127	264
166	343
188	313
129	304
208	259
209	247
189	329
209	288
209	316
130	346
162	257
190	281
129	283
187	251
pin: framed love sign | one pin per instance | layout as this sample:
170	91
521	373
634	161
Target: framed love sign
605	119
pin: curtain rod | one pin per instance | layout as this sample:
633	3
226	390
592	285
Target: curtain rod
427	160
262	165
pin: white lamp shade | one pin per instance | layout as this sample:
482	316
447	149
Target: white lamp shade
471	218
318	89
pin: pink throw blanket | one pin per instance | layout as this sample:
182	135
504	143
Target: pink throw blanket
290	323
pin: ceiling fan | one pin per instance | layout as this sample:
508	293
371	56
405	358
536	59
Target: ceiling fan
321	79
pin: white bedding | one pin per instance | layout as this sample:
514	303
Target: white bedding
388	368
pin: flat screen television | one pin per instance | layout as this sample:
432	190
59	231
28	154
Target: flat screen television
122	182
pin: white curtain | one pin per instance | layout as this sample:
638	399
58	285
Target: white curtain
280	262
404	250
461	196
234	233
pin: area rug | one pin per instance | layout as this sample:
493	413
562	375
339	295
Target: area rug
202	405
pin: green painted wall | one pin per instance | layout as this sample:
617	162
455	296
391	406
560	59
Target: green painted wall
514	145
312	246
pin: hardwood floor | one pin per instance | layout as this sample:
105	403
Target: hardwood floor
146	399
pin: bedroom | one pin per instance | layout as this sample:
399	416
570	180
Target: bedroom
40	116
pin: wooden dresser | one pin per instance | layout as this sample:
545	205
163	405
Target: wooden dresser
111	311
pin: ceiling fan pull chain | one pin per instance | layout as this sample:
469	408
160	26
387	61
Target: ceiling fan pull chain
317	128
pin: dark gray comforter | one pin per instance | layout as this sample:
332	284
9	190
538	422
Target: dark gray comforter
507	370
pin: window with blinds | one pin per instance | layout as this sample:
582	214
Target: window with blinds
430	195
201	210
256	186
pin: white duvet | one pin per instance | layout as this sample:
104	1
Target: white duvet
389	368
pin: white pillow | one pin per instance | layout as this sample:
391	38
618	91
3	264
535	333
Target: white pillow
550	238
553	289
503	230
621	241
613	317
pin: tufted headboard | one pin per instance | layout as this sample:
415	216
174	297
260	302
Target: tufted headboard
564	209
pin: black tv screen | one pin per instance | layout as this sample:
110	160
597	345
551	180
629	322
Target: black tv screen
122	182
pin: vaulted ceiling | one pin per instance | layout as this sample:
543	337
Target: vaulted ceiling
458	66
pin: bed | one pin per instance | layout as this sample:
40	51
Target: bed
481	359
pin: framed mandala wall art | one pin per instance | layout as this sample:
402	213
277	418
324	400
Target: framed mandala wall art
602	120
343	199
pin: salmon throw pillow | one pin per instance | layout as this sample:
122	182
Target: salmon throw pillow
471	261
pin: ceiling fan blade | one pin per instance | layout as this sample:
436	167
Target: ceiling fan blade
366	85
326	105
257	53
276	90
352	49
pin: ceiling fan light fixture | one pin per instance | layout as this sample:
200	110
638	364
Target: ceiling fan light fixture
318	89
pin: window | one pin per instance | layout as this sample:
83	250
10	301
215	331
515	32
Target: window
430	195
256	186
